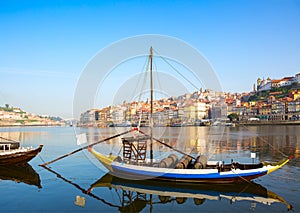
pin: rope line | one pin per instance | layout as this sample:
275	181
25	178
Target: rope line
177	71
9	140
167	145
266	142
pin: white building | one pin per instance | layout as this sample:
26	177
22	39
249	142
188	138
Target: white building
263	85
200	110
297	78
287	81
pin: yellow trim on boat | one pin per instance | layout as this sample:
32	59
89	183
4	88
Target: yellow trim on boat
278	166
105	160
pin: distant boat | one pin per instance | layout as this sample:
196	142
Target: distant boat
20	173
176	125
12	153
180	192
135	164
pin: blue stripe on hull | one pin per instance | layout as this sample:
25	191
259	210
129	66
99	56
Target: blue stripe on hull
213	177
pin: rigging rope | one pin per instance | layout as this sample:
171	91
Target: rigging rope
167	145
145	67
265	141
177	71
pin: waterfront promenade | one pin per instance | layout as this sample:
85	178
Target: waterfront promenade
268	122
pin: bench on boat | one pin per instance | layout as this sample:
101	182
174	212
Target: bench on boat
9	145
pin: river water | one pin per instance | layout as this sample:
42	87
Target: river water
78	182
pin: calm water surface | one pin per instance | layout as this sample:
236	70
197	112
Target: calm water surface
65	189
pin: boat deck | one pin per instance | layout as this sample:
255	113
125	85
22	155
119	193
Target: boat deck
13	151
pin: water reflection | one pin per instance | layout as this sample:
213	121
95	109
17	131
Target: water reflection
270	143
28	136
20	173
136	195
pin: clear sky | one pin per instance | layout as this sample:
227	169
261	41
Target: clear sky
45	45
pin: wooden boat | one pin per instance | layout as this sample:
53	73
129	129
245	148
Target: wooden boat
20	155
20	173
135	165
180	192
212	173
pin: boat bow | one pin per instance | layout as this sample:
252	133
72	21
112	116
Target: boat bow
276	166
105	160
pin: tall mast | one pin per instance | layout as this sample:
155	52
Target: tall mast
151	106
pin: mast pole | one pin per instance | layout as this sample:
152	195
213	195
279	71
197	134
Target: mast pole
151	106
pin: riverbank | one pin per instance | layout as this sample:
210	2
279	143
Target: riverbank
13	124
267	122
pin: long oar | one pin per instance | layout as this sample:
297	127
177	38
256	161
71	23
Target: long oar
167	145
85	147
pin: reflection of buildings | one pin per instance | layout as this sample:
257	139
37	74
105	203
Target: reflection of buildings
227	142
19	136
218	142
297	148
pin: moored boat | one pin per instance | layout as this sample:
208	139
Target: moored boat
209	172
19	156
12	153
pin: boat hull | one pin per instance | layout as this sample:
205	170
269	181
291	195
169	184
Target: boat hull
186	175
20	157
137	172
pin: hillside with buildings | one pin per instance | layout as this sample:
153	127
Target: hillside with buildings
14	116
270	100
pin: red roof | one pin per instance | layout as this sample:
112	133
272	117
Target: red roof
275	93
276	81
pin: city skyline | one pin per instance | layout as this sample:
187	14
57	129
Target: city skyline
46	45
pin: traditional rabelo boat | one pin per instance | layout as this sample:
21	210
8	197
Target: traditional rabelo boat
189	169
12	153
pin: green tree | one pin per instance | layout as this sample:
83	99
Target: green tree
233	117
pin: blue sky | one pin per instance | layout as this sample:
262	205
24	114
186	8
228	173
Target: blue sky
45	45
